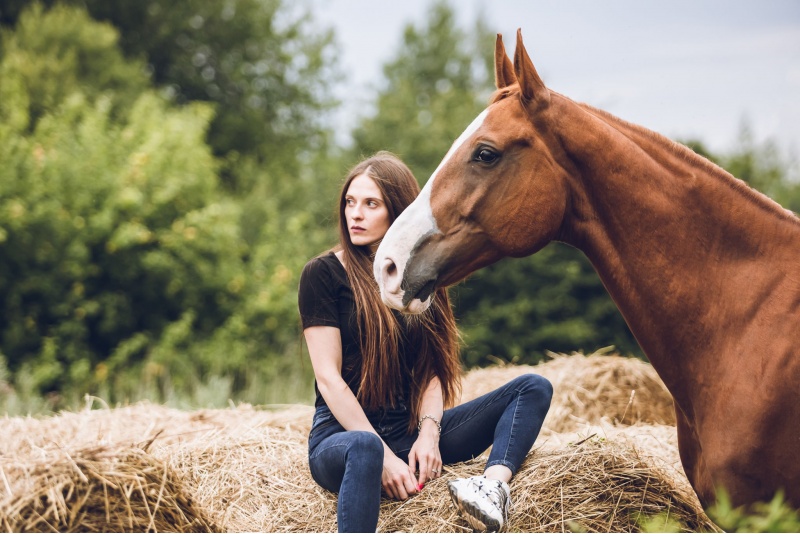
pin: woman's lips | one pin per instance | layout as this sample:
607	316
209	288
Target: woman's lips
357	229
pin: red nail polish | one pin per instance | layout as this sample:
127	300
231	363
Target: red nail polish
420	487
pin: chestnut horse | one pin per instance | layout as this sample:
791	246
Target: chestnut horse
705	270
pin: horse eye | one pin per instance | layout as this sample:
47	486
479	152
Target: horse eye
484	155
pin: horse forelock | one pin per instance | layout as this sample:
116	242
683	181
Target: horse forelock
503	93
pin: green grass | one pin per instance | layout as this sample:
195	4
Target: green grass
293	384
774	516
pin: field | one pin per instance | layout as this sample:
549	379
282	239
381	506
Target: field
606	461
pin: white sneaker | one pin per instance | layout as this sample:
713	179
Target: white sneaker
483	503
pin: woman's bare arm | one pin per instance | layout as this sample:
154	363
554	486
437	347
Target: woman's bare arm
325	348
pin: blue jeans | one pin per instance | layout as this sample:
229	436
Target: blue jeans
351	463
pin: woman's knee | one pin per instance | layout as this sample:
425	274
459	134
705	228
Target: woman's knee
538	384
366	447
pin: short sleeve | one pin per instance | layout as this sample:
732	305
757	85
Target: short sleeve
317	295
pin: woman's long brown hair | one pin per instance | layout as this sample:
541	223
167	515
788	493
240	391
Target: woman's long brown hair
433	334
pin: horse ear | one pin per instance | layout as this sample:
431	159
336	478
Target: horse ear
531	86
503	70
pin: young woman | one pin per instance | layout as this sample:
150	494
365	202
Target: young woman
383	380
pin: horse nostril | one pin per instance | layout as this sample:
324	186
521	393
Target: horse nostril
391	280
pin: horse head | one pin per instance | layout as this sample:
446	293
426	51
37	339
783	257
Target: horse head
499	191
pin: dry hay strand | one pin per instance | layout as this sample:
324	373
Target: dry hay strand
260	482
658	443
245	476
600	485
28	436
588	390
256	481
591	486
53	470
99	489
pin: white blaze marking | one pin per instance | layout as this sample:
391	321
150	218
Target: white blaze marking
416	221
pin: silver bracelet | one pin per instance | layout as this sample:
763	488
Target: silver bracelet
432	418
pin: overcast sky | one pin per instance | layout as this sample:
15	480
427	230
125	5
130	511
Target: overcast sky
686	69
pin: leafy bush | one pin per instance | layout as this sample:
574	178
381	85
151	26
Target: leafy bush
774	516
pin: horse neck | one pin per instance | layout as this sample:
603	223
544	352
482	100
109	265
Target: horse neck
666	231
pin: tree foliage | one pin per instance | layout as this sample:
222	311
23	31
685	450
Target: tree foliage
264	64
95	202
124	266
166	172
260	62
47	58
436	85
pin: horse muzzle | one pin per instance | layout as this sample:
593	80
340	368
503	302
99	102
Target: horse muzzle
406	290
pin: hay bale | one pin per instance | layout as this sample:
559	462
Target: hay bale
40	455
26	436
100	489
256	481
146	467
588	390
261	482
594	486
599	485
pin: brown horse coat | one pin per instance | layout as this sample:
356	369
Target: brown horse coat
705	270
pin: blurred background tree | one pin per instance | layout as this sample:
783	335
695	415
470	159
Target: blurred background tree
168	168
438	73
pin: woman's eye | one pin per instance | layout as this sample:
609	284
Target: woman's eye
485	155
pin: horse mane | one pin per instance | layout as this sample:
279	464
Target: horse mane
689	155
677	149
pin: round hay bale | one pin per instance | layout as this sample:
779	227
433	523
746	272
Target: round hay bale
589	486
100	489
260	482
600	485
588	390
245	469
255	481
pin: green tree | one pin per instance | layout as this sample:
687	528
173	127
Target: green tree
126	270
112	226
54	56
437	84
518	309
264	65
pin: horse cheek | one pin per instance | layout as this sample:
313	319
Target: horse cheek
533	221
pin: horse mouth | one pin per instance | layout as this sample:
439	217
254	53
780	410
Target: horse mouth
421	291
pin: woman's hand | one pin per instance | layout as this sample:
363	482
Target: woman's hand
398	479
425	452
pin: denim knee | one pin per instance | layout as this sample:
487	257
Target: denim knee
367	448
538	383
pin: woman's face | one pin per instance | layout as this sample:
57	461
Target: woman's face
365	212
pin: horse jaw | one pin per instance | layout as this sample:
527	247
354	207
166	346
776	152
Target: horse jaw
412	228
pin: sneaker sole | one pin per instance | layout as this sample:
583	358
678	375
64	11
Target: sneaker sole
476	518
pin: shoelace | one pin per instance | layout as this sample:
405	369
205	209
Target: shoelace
493	496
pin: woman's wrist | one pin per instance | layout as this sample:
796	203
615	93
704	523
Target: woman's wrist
432	419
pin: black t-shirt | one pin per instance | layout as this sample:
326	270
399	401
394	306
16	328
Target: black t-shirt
325	298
